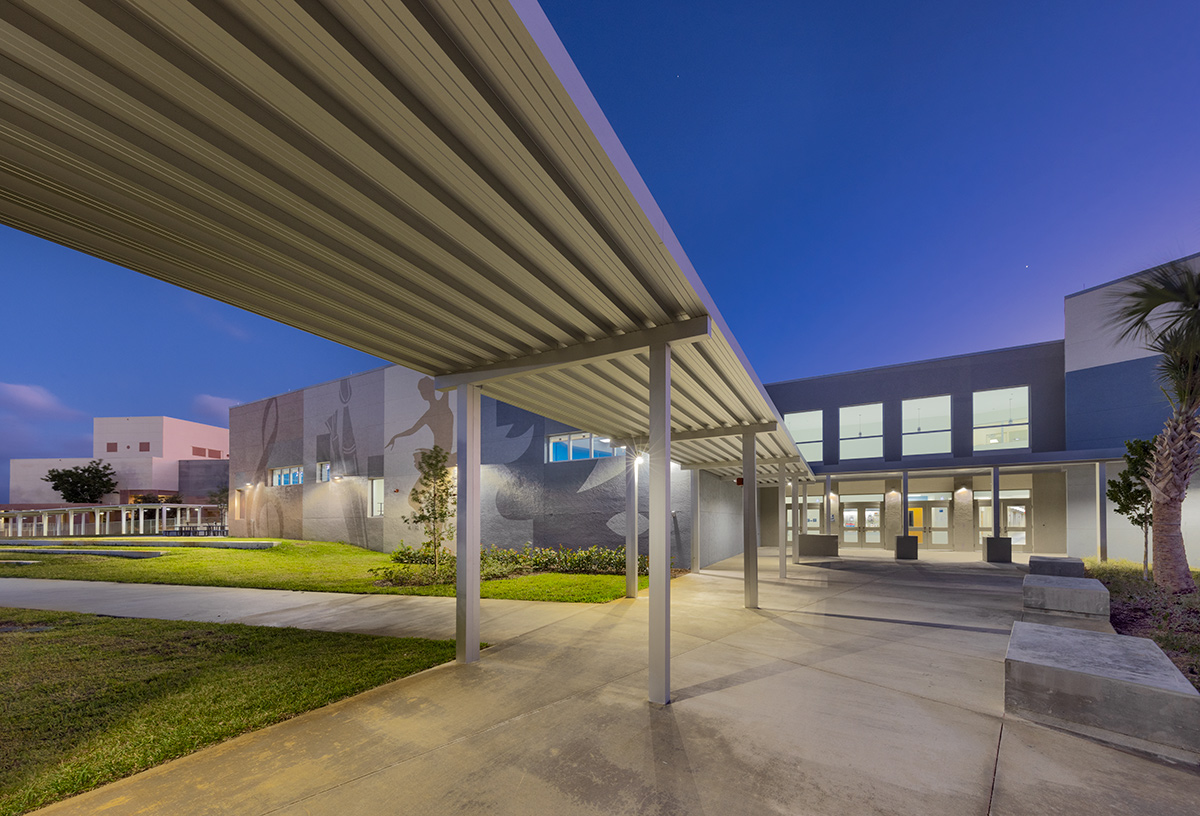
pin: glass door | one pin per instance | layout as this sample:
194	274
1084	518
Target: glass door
1014	515
850	525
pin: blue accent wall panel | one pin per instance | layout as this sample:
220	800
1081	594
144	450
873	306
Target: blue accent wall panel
1108	404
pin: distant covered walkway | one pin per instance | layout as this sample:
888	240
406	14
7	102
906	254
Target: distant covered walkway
114	519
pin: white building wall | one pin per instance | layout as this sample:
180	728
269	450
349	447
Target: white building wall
180	436
1089	338
127	433
25	485
1124	540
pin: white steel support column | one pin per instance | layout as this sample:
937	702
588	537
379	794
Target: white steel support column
750	519
995	502
71	523
827	505
695	521
781	517
162	520
467	573
141	520
904	503
20	525
799	517
660	524
45	525
124	523
1102	510
632	522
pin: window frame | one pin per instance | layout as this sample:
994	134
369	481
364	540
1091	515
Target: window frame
906	436
375	504
287	476
819	442
842	438
570	438
1002	427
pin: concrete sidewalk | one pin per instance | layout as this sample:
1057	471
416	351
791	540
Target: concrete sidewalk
393	615
862	686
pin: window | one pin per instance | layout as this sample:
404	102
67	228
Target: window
322	471
861	431
579	445
286	476
376	486
111	447
1001	418
199	451
925	425
144	447
805	428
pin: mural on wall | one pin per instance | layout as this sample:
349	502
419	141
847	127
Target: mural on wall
439	419
343	452
267	512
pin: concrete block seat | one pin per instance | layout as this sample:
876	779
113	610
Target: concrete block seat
1117	688
1085	597
1055	565
812	545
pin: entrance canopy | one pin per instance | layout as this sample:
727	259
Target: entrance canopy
429	182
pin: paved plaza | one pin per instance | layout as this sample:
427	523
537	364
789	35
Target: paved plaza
861	686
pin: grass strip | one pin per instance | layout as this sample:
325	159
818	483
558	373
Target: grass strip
312	566
86	700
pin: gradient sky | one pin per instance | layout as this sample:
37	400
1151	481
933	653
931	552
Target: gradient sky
857	183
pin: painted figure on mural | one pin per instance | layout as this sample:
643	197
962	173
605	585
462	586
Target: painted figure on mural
438	418
344	449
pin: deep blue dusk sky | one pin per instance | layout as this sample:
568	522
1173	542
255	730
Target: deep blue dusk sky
857	183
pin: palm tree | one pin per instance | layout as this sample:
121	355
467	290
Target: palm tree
1162	309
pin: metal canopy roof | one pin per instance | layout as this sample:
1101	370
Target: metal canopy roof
413	179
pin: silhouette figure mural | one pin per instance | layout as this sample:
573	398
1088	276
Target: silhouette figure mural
439	419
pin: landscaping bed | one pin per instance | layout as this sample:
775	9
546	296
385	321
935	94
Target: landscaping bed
89	699
1141	609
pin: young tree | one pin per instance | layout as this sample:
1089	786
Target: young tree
435	495
1130	496
83	484
220	497
1162	308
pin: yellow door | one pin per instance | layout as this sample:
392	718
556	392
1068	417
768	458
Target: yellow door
916	523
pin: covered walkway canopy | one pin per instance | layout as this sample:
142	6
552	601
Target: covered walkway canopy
428	181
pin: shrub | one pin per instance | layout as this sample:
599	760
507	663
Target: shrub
498	562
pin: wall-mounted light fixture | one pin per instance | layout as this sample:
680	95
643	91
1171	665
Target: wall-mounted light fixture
337	478
638	460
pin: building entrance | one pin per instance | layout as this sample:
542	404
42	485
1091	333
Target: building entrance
1016	520
930	523
862	525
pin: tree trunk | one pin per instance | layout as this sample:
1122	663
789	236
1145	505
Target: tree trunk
1145	552
1170	559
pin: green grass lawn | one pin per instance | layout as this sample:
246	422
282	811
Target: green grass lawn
88	699
298	565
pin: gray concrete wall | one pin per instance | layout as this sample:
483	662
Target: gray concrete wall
720	519
199	477
1049	513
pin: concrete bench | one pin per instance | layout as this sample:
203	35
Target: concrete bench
1086	597
1113	687
813	545
1051	565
